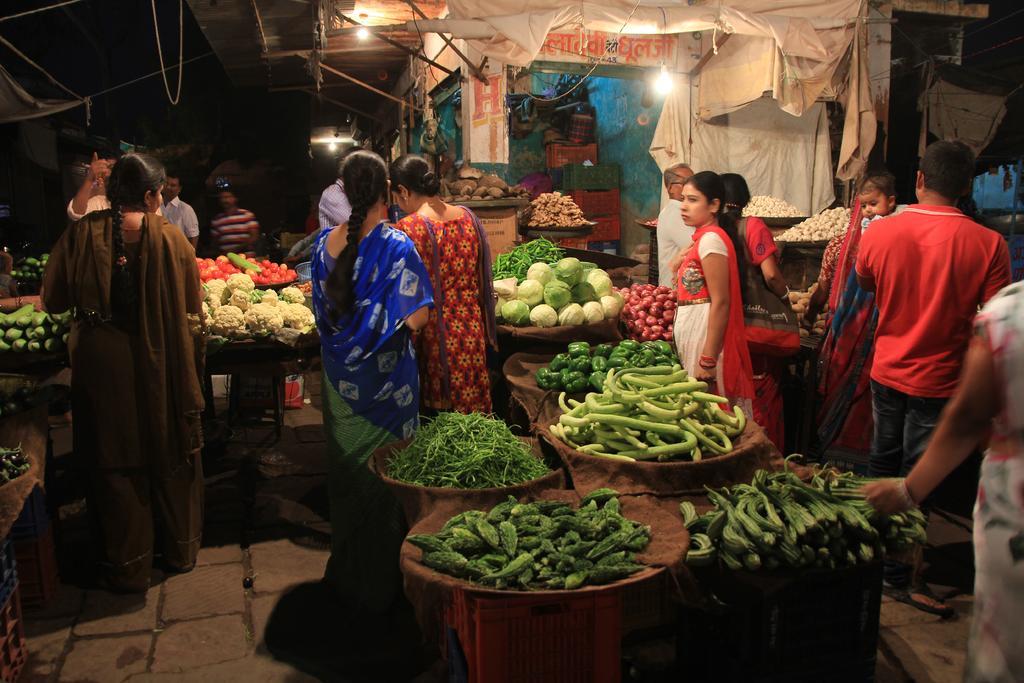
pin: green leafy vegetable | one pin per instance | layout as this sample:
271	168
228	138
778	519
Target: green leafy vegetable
471	451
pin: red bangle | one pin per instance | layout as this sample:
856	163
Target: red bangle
708	359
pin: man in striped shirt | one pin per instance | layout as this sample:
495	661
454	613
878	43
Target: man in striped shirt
235	230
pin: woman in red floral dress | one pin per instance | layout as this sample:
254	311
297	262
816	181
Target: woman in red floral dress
452	348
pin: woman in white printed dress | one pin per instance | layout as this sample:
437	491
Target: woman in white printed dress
990	397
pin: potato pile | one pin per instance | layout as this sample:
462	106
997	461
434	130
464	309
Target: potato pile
471	184
555	210
799	301
821	228
764	206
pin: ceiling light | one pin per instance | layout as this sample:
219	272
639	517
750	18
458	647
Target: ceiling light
363	33
663	84
332	146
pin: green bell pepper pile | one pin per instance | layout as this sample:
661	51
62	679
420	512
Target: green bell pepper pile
574	371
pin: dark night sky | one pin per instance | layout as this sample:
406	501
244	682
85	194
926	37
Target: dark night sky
96	44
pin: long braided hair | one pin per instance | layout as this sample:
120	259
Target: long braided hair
365	177
133	176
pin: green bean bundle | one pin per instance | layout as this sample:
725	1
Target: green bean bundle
651	413
516	262
471	451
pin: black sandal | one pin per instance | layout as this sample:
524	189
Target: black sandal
907	597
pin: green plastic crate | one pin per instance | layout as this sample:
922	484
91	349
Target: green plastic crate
598	177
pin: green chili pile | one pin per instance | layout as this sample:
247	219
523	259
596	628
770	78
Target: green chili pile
472	451
516	262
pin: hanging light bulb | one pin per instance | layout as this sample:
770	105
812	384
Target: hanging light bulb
663	84
332	147
363	33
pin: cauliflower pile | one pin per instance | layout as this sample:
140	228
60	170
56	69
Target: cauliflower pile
214	294
235	309
263	319
292	295
228	321
297	316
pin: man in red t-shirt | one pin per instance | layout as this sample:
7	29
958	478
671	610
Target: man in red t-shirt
931	268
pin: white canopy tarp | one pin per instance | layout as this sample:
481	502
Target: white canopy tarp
16	104
513	34
797	51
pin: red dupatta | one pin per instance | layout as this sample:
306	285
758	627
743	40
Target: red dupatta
737	371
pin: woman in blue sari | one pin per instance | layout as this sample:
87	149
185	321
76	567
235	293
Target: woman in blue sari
370	291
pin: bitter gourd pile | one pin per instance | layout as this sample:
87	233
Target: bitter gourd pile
780	521
541	545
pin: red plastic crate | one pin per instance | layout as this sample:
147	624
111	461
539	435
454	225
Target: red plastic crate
597	203
561	638
606	230
646	604
12	639
37	569
561	154
573	242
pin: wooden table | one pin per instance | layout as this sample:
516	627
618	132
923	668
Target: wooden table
257	359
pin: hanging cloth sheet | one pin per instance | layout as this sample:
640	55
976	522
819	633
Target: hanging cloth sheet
16	104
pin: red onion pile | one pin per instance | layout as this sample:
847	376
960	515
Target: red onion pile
648	312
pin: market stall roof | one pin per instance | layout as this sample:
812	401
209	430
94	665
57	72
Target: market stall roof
268	44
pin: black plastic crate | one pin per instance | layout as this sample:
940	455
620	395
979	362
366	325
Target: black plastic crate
8	571
784	627
33	520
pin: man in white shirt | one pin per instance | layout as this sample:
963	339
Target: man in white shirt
178	212
673	234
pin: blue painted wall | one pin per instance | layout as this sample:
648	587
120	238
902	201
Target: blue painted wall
446	115
625	129
989	194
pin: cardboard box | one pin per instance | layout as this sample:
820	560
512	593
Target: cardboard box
501	226
290	239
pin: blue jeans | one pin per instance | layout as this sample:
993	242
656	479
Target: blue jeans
903	427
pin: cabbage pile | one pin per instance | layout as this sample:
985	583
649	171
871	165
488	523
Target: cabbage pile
570	292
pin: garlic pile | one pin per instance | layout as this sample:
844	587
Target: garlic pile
555	210
821	228
799	301
770	207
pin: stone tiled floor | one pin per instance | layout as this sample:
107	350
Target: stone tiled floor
208	626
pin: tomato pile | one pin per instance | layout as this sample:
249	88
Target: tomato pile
649	312
269	273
